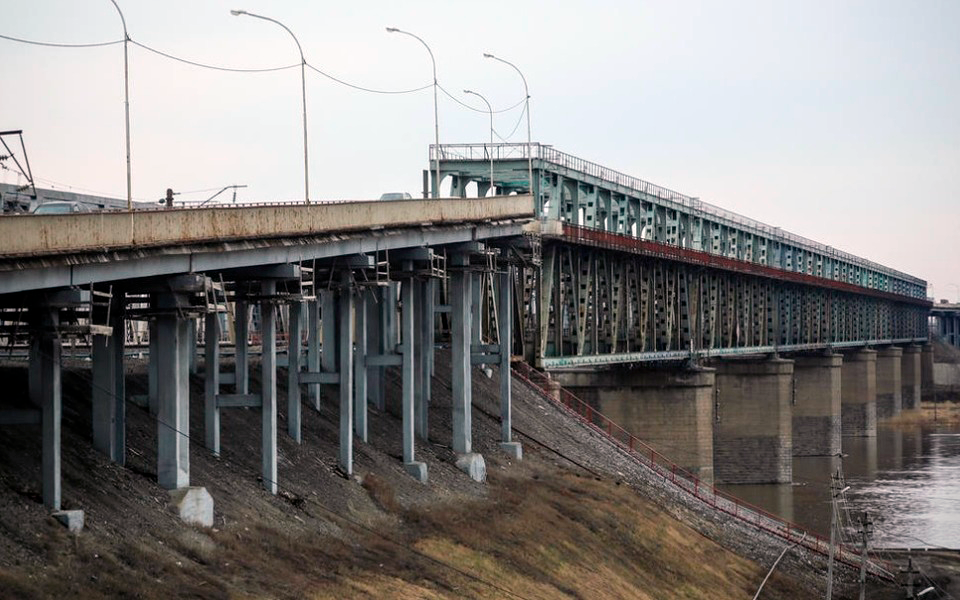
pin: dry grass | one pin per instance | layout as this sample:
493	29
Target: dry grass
943	413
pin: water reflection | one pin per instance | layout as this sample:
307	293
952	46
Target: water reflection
908	479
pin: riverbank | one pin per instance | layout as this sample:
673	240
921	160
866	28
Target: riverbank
929	413
575	518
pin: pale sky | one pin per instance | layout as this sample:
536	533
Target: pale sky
835	120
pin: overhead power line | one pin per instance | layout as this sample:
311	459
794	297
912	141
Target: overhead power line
58	44
366	89
206	66
479	110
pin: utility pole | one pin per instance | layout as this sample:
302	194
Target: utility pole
837	489
866	530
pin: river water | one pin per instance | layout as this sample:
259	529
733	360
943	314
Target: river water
906	478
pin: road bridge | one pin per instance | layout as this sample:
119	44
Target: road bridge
353	288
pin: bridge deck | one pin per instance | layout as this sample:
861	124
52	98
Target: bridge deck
32	235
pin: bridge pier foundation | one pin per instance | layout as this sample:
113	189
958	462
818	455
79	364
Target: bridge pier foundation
109	388
816	410
889	382
859	393
910	375
752	432
671	409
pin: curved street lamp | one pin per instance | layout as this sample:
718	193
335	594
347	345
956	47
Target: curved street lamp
126	100
303	85
436	118
490	110
526	92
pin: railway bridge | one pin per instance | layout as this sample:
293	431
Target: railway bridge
730	344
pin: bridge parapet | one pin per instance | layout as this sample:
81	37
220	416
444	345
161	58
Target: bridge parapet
32	235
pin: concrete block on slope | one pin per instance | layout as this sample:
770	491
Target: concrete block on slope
71	519
473	465
194	505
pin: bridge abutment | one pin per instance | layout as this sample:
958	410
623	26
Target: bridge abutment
910	376
889	382
671	409
816	405
859	393
752	433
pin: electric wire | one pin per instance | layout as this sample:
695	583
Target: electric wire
198	443
467	106
212	67
366	89
58	44
515	127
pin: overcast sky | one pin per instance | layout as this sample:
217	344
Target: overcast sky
836	120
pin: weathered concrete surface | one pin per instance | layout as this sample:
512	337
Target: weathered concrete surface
194	505
45	234
670	409
753	431
926	370
889	382
513	449
473	465
910	391
816	410
71	519
858	391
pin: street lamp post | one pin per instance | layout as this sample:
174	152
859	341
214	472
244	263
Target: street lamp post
436	118
303	86
526	92
489	110
126	100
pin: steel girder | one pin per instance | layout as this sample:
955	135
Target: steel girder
592	303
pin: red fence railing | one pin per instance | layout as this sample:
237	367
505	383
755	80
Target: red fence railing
688	482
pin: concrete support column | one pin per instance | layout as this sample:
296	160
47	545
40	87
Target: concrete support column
388	338
462	332
816	410
670	409
192	344
360	375
461	293
753	430
889	382
293	371
173	445
408	370
859	393
373	328
152	375
211	412
346	368
505	333
328	326
313	350
926	371
268	393
109	389
47	348
910	377
241	349
423	326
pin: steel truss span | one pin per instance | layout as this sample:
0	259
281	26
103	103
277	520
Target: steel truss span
574	191
603	306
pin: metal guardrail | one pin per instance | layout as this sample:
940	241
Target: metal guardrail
547	153
687	482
